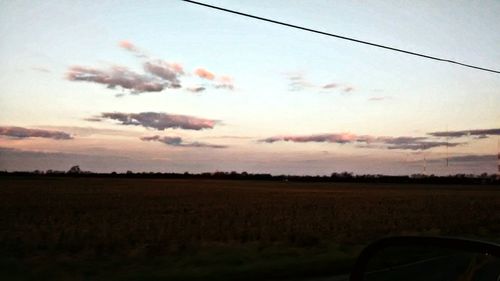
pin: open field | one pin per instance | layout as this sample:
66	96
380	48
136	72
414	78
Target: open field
157	229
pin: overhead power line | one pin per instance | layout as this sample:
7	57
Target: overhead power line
342	37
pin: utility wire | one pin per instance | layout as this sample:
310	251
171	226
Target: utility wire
341	37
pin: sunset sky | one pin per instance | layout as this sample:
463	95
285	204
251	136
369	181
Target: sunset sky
170	86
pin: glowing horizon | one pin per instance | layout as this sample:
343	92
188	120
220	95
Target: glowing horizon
174	87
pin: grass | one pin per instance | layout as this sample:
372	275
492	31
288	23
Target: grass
153	229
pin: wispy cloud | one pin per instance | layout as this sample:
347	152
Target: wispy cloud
77	131
480	133
403	143
196	89
21	133
380	98
330	86
129	46
348	89
41	69
299	82
229	137
224	82
159	120
117	76
178	141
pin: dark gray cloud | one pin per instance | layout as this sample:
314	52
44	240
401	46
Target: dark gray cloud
117	76
332	138
421	145
480	133
403	140
403	143
160	121
21	133
166	71
177	141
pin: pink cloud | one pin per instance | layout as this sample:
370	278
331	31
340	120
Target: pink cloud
205	74
127	45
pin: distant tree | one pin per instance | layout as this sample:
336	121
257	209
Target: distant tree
75	170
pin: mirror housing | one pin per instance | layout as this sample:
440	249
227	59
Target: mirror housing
447	244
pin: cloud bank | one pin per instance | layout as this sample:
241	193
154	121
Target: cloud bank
21	133
481	133
158	120
177	141
403	143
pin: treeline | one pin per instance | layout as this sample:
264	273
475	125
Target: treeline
75	171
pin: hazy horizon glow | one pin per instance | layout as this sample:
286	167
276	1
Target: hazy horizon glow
168	86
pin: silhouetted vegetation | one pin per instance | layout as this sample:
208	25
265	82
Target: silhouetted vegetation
334	177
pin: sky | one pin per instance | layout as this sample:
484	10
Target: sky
170	86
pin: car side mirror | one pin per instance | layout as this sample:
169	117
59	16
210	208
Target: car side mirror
413	258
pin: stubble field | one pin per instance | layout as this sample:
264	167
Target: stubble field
167	229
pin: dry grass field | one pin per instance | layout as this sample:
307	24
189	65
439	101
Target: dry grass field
159	229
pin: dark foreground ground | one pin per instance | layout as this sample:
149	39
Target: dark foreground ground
168	229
